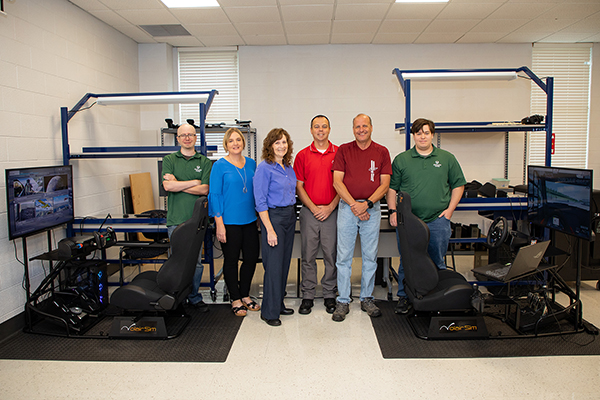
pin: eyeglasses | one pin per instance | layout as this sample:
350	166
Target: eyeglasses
186	135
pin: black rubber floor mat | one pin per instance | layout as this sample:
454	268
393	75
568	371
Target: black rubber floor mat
208	338
397	340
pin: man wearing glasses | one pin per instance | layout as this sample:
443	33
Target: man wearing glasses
435	182
186	175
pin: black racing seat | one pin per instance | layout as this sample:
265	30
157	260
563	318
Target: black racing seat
166	289
427	287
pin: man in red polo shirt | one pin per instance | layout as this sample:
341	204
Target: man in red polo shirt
318	216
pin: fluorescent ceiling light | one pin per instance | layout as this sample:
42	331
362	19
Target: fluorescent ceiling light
422	1
153	99
461	75
190	3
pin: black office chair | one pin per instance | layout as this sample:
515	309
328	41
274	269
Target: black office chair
444	295
164	291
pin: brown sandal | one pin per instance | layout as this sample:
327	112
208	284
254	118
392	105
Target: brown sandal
251	305
239	311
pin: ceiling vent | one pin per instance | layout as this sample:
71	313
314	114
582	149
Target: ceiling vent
165	30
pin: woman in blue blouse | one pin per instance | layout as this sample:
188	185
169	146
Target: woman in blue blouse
275	197
231	202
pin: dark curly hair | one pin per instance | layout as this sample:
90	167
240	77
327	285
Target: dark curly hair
267	151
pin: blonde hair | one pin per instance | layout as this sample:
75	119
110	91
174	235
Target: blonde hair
228	134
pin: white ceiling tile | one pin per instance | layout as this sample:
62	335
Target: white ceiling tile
418	11
450	25
148	17
437	38
572	10
593	39
307	13
265	40
546	25
386	2
565	37
404	25
308	39
202	30
217	41
468	10
499	25
369	27
180	41
110	17
265	28
135	33
360	11
89	4
589	25
247	3
385	38
356	38
304	2
200	15
252	14
134	4
518	10
481	37
522	37
310	28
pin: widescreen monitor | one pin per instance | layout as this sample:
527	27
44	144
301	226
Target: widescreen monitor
38	199
560	199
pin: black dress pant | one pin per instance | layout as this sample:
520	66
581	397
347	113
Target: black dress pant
276	260
240	239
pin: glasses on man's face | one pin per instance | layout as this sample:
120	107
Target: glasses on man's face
186	135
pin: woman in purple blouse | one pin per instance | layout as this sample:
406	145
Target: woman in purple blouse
275	197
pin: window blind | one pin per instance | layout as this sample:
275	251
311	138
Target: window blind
208	70
570	66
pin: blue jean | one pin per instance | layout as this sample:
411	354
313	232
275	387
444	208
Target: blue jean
194	297
348	226
439	237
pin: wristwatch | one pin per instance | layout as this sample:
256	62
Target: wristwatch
370	203
391	211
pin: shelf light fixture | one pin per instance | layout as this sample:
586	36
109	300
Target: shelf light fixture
179	98
190	3
460	75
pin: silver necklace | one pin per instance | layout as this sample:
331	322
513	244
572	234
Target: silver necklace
245	190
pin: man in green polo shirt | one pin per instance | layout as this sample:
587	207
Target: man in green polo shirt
186	176
435	182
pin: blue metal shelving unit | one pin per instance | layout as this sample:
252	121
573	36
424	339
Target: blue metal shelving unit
547	87
139	152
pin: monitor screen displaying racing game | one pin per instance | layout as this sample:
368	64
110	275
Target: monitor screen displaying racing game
38	199
560	199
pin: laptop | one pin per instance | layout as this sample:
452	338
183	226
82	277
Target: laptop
527	260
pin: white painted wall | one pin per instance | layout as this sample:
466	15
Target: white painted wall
285	86
51	54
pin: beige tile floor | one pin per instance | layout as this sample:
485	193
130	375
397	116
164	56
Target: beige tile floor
310	356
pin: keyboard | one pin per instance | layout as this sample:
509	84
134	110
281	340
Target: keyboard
498	273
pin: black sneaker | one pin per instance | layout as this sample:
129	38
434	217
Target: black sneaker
329	305
306	306
200	306
403	306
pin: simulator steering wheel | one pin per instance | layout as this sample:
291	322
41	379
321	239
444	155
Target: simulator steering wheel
497	233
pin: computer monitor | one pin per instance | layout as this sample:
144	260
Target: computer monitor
560	199
38	199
